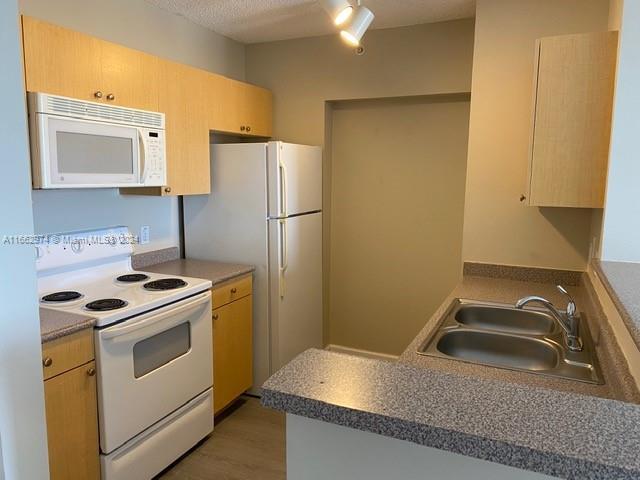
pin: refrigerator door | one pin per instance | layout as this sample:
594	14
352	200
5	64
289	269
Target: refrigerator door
230	225
295	179
295	286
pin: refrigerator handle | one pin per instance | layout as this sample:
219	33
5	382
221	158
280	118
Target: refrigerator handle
283	189
282	254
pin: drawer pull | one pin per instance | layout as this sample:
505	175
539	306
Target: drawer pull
47	362
91	371
234	290
216	316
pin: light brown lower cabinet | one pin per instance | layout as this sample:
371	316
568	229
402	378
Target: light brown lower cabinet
72	424
232	351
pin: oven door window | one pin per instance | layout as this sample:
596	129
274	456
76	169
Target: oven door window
154	352
92	153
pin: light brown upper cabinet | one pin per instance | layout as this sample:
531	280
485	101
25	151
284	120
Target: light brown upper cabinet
187	132
573	99
239	108
63	62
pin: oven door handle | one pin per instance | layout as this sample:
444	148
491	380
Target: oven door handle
154	323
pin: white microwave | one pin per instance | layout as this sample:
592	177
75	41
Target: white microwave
80	144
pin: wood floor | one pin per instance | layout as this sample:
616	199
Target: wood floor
248	442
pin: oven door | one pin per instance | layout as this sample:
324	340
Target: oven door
89	154
151	365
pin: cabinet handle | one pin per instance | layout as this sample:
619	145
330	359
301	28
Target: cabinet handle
215	316
242	128
167	189
111	96
47	362
248	128
91	371
234	290
98	94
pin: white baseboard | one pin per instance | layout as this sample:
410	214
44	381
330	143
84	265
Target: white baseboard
362	353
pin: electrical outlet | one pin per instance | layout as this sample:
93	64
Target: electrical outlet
144	234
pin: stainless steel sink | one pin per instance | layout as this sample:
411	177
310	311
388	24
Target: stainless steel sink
502	336
502	319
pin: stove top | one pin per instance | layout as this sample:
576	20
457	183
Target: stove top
58	297
105	304
96	279
165	284
132	277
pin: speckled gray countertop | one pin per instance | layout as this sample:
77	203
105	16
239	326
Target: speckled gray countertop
55	323
622	281
547	431
217	272
553	426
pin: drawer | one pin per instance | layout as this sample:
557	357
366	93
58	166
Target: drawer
233	290
67	353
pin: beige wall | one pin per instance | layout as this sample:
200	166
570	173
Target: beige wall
498	228
305	73
397	201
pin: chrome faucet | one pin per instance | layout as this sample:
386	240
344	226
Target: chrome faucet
568	320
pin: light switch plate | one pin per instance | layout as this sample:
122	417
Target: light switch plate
145	233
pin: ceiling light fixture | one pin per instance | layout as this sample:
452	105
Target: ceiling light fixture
359	24
338	10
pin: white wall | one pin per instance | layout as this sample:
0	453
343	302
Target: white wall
136	24
317	450
621	236
22	422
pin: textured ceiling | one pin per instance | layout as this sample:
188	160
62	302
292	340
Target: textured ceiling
253	21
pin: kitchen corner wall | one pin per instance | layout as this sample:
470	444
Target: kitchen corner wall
140	25
621	236
498	228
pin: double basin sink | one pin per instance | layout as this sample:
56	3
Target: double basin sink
500	335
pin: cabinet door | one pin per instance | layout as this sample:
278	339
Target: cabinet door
572	120
240	108
130	76
72	424
255	109
182	92
232	351
61	61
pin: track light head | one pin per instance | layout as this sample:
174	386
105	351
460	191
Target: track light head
355	30
339	10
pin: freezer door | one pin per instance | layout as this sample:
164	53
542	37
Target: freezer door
295	286
295	179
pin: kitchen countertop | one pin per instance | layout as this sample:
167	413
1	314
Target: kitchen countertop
546	431
553	426
618	385
217	272
55	324
622	281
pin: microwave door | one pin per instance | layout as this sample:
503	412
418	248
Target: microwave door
81	153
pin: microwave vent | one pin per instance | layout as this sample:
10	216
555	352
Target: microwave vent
70	107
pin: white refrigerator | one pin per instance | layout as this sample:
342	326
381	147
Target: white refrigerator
265	209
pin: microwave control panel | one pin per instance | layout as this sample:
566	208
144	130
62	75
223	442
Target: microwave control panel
155	153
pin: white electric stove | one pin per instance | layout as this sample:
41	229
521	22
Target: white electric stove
153	347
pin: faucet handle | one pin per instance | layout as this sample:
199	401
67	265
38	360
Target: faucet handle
571	306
